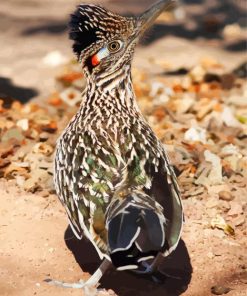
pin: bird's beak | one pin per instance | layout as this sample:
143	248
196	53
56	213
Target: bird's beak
146	19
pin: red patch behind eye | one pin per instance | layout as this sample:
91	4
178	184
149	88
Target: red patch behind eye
95	60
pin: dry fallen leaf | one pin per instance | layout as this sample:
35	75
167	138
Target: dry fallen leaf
23	124
196	134
43	148
16	168
71	96
202	123
220	223
13	133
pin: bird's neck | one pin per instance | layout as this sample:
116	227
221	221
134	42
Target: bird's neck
111	92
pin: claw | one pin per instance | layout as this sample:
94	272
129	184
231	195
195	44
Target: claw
90	283
79	285
151	268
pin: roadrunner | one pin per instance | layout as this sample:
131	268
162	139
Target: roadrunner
112	174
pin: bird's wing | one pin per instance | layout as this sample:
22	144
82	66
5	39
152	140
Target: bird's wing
174	228
163	186
85	180
166	192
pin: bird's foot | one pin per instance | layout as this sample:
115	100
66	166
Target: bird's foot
158	275
146	268
149	268
88	289
87	286
79	285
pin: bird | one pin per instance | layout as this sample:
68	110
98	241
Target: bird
111	173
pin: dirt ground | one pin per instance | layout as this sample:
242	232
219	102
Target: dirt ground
33	226
33	249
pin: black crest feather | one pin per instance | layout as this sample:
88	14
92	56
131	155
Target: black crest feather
91	23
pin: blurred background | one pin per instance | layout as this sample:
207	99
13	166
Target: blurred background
33	38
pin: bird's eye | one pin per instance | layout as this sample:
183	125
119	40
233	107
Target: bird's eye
115	46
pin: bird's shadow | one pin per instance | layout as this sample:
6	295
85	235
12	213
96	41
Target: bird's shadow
177	265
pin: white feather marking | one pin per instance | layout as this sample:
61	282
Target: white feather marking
145	258
127	267
88	235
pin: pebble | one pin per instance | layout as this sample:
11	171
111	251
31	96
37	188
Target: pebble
45	193
212	203
238	221
23	124
196	134
43	136
197	73
236	209
220	290
210	255
218	233
225	195
51	250
232	31
208	233
20	180
224	205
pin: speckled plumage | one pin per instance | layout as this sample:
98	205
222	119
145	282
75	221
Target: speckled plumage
109	163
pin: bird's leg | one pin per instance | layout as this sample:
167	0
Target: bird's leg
150	268
153	267
91	282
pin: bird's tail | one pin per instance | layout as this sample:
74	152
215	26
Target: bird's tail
136	231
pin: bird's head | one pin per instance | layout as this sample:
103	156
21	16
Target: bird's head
105	41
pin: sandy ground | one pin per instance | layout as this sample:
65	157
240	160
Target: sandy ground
32	227
33	249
